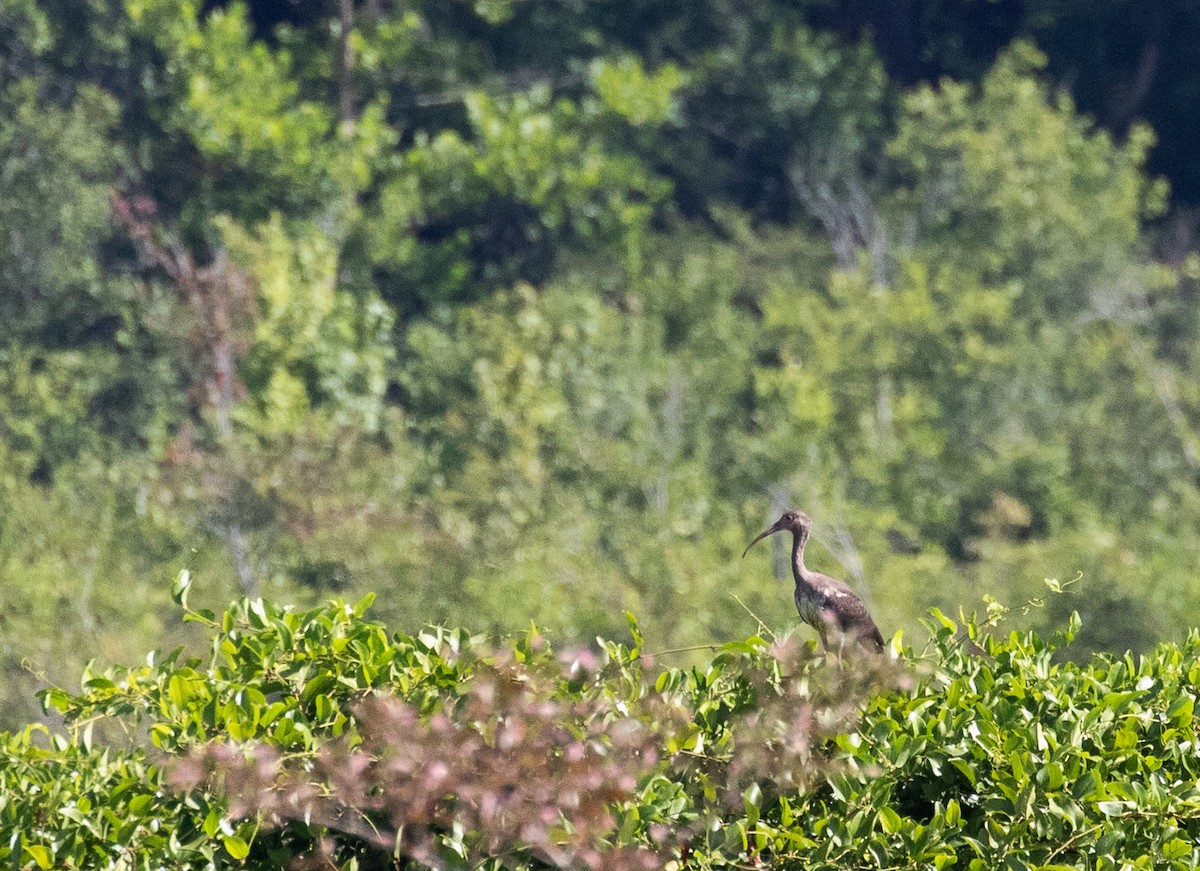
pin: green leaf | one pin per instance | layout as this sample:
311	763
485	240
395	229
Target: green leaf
953	813
179	590
212	822
317	685
752	802
890	821
1176	848
139	804
55	699
1085	785
204	615
161	735
363	604
41	855
178	691
1180	711
1051	776
635	632
237	847
946	622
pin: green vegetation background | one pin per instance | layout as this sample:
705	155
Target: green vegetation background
514	311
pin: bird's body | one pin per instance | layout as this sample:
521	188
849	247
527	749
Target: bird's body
824	603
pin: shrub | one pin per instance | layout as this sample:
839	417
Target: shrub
320	740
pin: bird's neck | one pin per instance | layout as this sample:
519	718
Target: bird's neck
799	539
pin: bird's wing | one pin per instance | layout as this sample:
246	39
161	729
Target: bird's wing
851	613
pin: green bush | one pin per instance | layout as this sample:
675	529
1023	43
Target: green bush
319	737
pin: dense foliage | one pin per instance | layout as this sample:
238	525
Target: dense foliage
526	310
318	737
517	310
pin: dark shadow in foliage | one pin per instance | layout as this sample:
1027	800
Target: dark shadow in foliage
332	575
503	242
1113	622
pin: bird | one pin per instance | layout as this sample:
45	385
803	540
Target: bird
824	603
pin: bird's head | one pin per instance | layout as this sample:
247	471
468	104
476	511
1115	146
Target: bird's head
791	520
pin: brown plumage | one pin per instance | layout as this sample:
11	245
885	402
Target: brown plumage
824	603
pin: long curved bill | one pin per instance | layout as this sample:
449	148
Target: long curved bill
771	530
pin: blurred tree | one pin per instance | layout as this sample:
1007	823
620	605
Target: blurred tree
462	217
58	166
959	384
1011	181
535	309
1123	62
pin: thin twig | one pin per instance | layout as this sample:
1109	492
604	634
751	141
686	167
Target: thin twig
692	649
762	626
